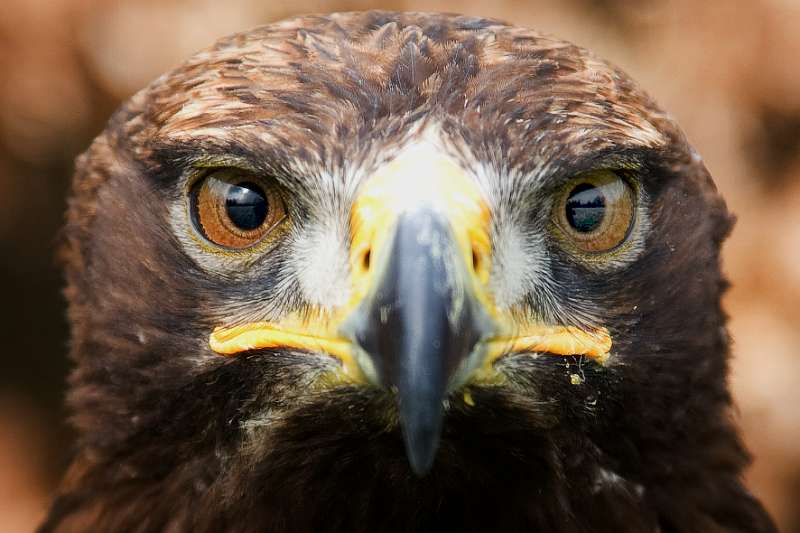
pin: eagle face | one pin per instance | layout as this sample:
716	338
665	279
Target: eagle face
381	271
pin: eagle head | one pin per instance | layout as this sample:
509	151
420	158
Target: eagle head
381	271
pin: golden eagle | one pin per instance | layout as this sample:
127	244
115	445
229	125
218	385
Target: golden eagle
398	272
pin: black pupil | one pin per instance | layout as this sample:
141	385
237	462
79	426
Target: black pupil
586	207
246	205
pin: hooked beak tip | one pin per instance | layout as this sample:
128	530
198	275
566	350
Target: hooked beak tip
421	433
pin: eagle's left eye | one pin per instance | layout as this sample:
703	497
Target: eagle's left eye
595	211
235	209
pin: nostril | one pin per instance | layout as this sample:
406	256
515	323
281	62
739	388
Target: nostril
476	260
365	259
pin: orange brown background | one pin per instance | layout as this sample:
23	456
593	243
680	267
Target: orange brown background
729	71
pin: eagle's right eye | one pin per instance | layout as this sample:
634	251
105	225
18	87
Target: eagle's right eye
235	209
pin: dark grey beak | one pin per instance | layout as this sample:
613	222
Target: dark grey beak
419	327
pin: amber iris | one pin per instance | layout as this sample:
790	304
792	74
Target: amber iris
596	211
235	209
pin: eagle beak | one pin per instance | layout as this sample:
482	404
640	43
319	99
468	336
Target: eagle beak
420	324
420	320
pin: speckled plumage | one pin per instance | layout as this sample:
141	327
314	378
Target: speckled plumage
176	438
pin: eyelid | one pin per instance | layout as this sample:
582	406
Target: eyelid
207	160
629	163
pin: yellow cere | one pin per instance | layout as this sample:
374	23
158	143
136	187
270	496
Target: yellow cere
421	175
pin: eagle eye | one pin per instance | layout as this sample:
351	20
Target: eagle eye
234	208
596	211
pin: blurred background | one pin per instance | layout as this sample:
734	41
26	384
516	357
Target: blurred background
729	71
